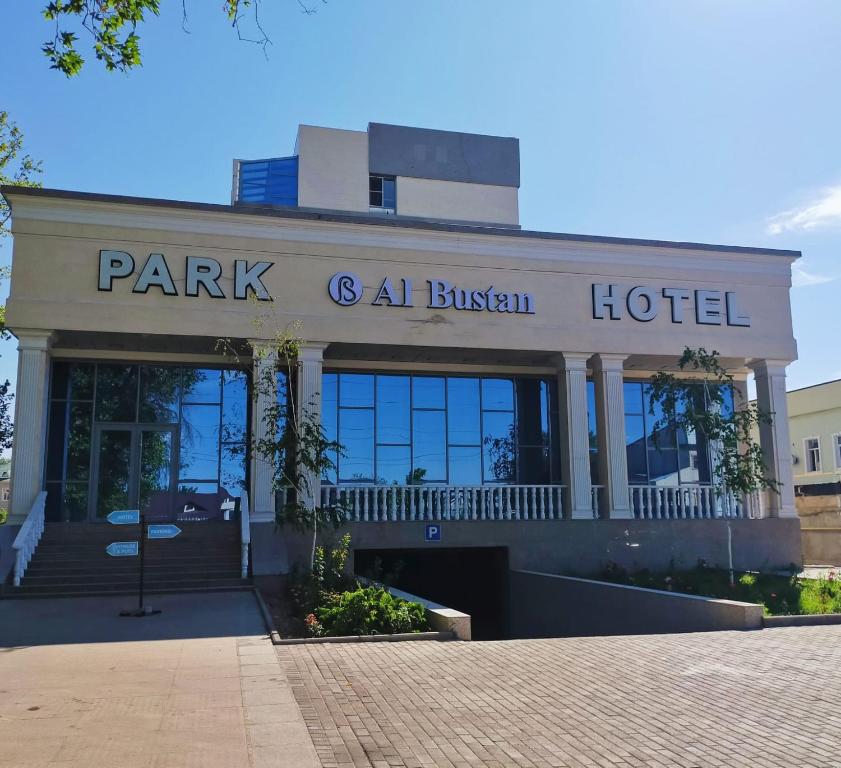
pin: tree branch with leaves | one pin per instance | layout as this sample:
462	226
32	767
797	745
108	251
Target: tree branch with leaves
112	27
292	441
16	166
708	403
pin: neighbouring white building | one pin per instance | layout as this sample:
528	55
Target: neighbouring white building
815	427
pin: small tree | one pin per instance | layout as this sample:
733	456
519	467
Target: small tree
294	442
703	404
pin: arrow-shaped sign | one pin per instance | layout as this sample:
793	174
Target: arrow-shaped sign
123	548
163	531
124	517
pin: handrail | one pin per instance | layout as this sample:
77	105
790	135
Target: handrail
28	536
366	502
244	532
695	501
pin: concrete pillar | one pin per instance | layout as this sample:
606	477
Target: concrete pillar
308	403
774	437
30	441
262	472
610	423
575	438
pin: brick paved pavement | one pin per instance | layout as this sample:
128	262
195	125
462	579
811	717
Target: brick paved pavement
768	699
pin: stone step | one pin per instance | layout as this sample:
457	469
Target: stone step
125	587
129	564
128	576
20	593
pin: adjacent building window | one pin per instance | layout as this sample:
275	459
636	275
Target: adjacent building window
836	443
411	430
812	453
169	440
382	193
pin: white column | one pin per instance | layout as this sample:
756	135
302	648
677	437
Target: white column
774	437
30	436
610	424
262	503
308	404
575	437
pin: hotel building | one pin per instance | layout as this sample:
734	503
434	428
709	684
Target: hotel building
488	383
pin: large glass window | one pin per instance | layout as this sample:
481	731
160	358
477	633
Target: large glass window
593	433
665	456
402	429
171	438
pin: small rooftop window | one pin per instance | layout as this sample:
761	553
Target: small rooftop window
273	181
382	193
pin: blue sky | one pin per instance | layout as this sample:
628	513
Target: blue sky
708	120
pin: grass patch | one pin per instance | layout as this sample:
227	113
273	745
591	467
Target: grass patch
778	595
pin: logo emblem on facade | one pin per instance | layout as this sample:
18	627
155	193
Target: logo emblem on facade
345	288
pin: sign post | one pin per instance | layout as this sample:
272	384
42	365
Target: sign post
132	549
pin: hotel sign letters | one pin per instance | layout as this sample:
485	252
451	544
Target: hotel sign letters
204	276
346	289
644	303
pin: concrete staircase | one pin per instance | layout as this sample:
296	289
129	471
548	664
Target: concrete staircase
71	560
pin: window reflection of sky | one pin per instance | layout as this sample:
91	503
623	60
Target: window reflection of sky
399	428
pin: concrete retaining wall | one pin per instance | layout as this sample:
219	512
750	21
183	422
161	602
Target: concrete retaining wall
440	618
544	605
586	546
821	546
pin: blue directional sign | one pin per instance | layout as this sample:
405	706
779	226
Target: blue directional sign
163	531
124	517
433	532
123	548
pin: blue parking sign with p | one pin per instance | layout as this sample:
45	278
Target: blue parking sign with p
433	532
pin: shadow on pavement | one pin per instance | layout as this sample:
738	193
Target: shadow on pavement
58	621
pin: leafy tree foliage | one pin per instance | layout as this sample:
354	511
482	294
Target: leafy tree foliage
702	404
294	442
16	167
112	25
19	168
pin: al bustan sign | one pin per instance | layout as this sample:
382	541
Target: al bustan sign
346	289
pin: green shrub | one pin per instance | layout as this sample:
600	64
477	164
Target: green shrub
366	611
4	513
778	594
310	589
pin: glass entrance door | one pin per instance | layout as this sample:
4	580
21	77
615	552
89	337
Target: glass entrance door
133	469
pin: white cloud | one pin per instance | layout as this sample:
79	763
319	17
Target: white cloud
823	211
800	278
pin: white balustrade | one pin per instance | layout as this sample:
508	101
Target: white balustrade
399	503
244	533
392	503
28	536
685	502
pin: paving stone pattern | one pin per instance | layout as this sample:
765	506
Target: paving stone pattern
766	699
199	702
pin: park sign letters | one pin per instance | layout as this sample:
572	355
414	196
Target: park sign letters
202	273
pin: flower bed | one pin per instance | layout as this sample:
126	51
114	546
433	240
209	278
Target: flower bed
779	595
332	604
